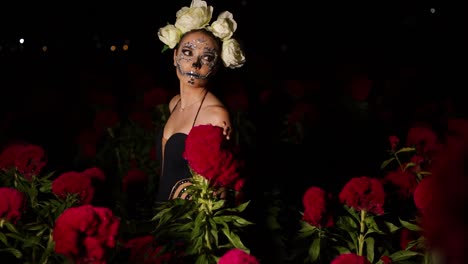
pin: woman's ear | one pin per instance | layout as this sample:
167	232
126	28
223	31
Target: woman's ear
175	55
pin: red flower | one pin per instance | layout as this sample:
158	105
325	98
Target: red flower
423	194
350	258
11	204
360	87
154	97
86	233
237	256
386	260
406	236
30	160
364	193
74	183
404	182
134	176
315	202
105	119
8	156
95	173
146	251
394	141
209	154
424	139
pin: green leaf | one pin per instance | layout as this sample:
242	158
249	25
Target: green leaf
391	227
306	230
10	227
234	239
403	255
3	238
372	226
386	162
411	226
314	249
406	149
13	251
370	248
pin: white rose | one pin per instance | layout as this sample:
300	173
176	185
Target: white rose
198	15
232	55
224	26
169	35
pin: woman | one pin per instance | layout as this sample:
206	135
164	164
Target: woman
199	49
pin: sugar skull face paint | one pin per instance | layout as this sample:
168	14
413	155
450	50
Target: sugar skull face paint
197	57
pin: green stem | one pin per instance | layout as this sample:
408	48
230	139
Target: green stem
362	230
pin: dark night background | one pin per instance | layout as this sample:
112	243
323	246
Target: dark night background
305	40
415	53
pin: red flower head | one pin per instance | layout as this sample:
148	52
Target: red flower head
154	97
394	141
424	139
210	155
386	260
315	202
74	183
237	256
8	156
86	233
105	119
30	160
95	173
134	177
404	182
146	251
350	258
423	194
11	204
364	193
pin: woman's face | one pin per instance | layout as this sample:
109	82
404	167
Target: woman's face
196	58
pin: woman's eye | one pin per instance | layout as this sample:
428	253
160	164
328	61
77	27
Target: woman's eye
187	52
208	58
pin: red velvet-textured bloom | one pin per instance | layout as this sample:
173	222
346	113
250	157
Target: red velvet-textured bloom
404	182
11	204
364	193
350	258
8	156
394	141
424	139
95	173
85	233
134	177
386	260
209	154
74	183
146	251
28	159
315	202
154	97
423	194
237	256
105	119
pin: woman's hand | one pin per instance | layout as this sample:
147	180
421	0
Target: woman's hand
226	129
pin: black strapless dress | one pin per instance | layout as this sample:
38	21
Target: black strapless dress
175	174
175	168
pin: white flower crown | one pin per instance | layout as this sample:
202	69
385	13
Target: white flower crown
198	16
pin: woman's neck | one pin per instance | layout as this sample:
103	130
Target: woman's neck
190	96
